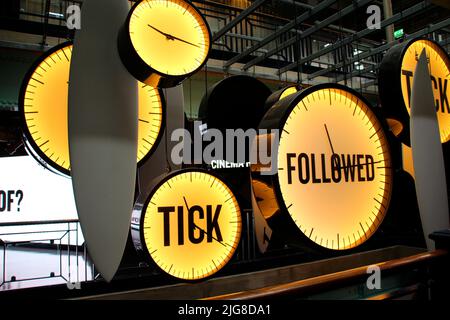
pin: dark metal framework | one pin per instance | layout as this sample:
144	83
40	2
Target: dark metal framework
316	38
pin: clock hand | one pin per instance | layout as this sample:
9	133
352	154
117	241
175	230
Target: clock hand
332	150
196	226
171	37
168	36
192	44
357	165
329	139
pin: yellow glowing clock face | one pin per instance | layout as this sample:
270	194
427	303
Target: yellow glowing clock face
439	66
334	168
288	92
191	225
170	36
44	101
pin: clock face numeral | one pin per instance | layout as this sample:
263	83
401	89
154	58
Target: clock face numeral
170	36
44	106
334	171
191	225
439	66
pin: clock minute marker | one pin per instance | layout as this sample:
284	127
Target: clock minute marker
379	203
41	82
40	146
65	55
304	105
362	230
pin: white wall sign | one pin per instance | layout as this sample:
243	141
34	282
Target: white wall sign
29	192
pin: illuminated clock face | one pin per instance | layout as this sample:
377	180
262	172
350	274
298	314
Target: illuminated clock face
191	225
439	66
169	36
44	103
334	168
288	91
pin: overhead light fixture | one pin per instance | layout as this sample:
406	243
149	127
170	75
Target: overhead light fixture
56	15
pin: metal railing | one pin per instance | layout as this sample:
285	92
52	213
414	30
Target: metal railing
58	241
306	287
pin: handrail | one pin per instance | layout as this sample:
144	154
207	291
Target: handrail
35	223
307	285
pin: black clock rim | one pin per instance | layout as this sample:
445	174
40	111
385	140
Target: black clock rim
163	180
138	67
43	158
389	85
282	110
275	96
161	129
36	152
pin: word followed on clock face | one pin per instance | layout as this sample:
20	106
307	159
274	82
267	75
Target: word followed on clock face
334	168
315	168
191	225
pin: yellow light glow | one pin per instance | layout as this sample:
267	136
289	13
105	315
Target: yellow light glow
288	92
150	119
338	214
439	67
169	35
192	189
395	126
407	160
266	198
45	107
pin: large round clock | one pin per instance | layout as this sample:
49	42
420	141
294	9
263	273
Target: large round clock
191	224
396	80
43	108
333	178
164	41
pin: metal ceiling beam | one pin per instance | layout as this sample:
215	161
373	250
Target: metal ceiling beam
290	25
242	36
384	47
324	23
331	26
368	84
235	72
255	5
298	4
395	18
357	73
24	46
